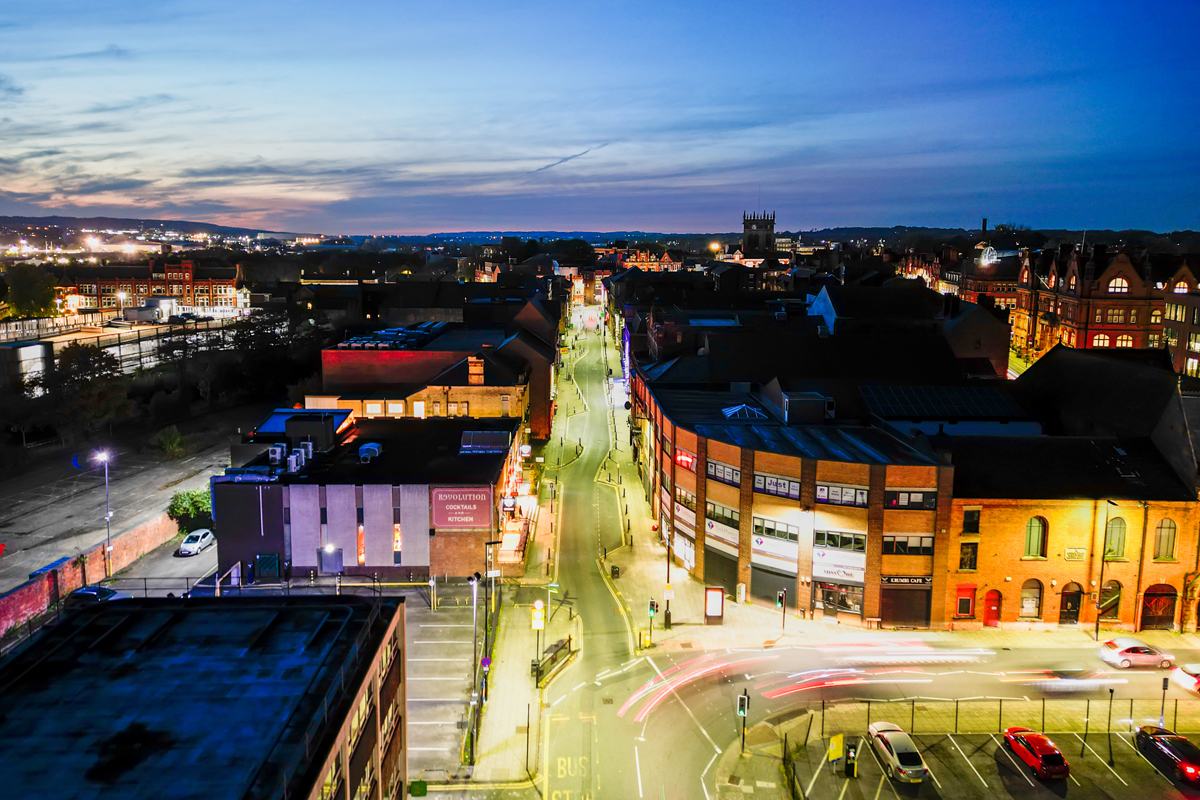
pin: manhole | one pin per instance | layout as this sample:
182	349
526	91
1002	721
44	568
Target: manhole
686	645
606	701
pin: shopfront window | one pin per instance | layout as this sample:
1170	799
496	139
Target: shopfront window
1031	598
841	597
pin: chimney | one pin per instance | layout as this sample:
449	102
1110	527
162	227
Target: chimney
984	228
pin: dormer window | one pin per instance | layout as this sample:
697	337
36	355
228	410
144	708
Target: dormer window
1072	286
1118	286
1181	288
1024	276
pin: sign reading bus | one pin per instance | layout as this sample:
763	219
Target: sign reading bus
466	507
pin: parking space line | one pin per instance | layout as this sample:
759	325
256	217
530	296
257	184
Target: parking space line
1142	756
969	764
1102	761
817	774
845	783
935	780
882	778
1009	755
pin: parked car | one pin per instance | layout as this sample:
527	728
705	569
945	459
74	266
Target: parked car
196	541
1187	676
901	759
1169	751
90	595
1126	652
1038	752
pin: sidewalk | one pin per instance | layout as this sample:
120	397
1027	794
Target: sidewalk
758	770
512	715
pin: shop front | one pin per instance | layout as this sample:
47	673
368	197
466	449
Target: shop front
838	577
905	600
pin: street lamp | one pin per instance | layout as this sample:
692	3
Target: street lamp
121	303
103	457
1103	558
474	581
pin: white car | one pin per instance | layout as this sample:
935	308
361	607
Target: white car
196	541
901	760
1126	652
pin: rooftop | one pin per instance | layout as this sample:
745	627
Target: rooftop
204	698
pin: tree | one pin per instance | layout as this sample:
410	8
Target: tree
20	410
191	508
31	290
86	388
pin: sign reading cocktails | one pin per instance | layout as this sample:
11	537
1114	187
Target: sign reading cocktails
462	507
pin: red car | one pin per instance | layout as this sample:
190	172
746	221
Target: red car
1038	752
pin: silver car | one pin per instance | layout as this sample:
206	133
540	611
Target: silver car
1126	652
197	541
901	759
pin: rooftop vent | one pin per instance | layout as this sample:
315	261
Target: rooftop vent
743	412
368	451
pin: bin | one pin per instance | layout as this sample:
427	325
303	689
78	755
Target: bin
616	572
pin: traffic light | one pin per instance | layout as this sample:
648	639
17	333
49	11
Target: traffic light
743	704
652	610
539	615
780	598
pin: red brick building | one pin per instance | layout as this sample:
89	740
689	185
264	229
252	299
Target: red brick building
133	285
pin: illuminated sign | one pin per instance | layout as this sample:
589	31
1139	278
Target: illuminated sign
685	459
462	507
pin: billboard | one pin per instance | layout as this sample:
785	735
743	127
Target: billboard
461	507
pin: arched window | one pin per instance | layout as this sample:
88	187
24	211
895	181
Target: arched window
1164	541
1118	286
1024	276
1071	286
1031	598
1100	340
1114	539
1181	288
1156	316
1035	538
1125	340
1110	600
1133	316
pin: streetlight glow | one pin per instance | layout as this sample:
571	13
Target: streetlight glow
101	456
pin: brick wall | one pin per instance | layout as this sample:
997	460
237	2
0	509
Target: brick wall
458	554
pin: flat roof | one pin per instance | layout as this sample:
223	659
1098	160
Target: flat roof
205	698
275	424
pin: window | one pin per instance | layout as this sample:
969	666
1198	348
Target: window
1116	315
1175	313
971	520
419	409
665	480
724	473
968	555
397	538
1164	541
1170	336
1110	600
1118	286
723	514
841	495
1114	539
451	409
395	409
437	408
1035	538
1155	340
685	498
966	603
359	719
837	540
779	530
331	786
908	545
1156	317
373	409
775	485
1133	316
1100	340
685	459
1071	285
1031	598
504	405
1192	368
466	410
367	782
1125	340
1181	288
923	498
1193	342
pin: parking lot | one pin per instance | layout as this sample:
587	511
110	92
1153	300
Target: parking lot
979	766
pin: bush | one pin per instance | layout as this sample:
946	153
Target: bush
171	442
163	405
191	509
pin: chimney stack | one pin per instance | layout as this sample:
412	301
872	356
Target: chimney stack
984	226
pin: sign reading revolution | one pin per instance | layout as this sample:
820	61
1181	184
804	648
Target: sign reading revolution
462	507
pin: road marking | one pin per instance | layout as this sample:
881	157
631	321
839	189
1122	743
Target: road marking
436	679
702	774
580	685
435	699
446	722
842	793
431	749
1102	761
1142	756
637	762
559	700
969	764
447	625
1020	769
882	778
935	780
455	660
447	641
685	706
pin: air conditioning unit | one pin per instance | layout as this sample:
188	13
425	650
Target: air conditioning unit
298	454
292	465
275	453
308	449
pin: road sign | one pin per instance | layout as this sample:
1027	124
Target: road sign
835	746
485	661
493	573
669	594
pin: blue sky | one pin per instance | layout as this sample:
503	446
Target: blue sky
377	116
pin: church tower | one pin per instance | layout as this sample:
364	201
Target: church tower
758	233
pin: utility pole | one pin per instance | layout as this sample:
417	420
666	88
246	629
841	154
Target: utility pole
743	711
781	602
103	457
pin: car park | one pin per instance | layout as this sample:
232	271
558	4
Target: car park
901	760
1169	751
91	595
1126	652
197	541
1038	752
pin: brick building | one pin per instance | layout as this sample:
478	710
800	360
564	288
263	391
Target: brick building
133	285
316	492
255	697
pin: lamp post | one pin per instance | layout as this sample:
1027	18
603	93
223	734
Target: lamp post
103	457
489	591
121	304
1103	558
474	581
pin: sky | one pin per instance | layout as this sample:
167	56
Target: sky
388	116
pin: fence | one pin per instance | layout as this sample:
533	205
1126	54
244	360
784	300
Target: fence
993	715
491	621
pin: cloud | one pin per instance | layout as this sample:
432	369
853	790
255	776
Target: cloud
137	103
570	158
112	51
8	89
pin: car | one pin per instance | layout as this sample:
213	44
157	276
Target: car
196	541
91	595
901	759
1187	676
1040	754
1061	678
1169	751
1126	652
